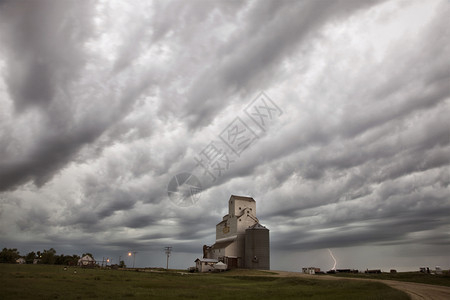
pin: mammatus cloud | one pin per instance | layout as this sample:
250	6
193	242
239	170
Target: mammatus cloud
101	104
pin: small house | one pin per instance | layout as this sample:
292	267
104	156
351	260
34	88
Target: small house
86	261
205	264
20	261
310	270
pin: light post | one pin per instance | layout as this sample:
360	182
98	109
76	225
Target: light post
134	256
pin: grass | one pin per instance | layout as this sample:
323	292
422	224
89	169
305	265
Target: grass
417	277
52	282
245	272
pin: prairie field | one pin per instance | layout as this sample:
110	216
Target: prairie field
417	277
53	282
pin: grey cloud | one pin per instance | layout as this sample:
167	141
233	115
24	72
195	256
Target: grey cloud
97	116
53	54
44	41
373	231
257	50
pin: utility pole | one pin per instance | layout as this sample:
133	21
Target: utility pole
168	250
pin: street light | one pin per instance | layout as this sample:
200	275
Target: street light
134	256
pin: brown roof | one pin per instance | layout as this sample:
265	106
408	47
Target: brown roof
221	245
242	198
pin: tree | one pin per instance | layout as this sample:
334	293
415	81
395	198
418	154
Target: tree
122	264
68	260
9	255
74	260
48	256
59	259
29	258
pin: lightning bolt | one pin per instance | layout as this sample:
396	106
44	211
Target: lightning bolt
332	256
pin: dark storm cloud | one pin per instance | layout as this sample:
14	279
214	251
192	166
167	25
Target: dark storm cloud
44	42
373	233
102	103
387	219
254	53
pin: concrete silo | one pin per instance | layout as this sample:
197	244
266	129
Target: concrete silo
257	247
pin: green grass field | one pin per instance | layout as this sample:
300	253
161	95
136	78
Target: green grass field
52	282
404	276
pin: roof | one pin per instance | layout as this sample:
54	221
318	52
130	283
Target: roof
221	244
242	198
257	226
227	239
223	221
207	260
86	258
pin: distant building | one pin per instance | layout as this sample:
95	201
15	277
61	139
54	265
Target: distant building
241	242
310	270
347	271
20	261
375	271
86	261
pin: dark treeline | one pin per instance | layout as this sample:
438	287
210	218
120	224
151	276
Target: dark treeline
48	257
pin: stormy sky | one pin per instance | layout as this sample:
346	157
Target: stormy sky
333	115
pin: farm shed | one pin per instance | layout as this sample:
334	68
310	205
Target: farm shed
205	264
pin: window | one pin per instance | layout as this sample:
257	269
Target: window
239	219
239	208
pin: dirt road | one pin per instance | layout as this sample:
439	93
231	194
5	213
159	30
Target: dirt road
414	290
420	290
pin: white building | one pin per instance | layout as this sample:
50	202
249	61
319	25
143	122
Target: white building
241	242
86	261
20	261
310	270
205	264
